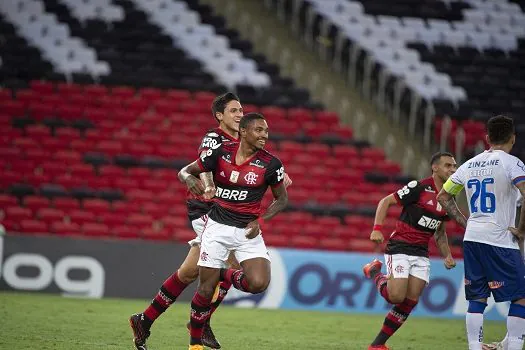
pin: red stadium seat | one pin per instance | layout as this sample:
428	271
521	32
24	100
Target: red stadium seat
50	215
18	213
302	115
111	171
97	206
124	231
37	155
81	216
42	87
123	92
327	118
63	228
156	234
304	242
54	144
140	174
111	148
33	226
360	223
68	157
124	208
140	220
38	132
69	182
276	240
81	171
273	113
95	230
41	110
125	183
66	203
27	96
347	232
68	88
95	114
155	185
175	222
184	235
34	202
8	201
98	182
13	108
362	245
112	219
155	210
95	91
69	112
179	95
151	94
334	244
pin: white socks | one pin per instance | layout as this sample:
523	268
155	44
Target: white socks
475	324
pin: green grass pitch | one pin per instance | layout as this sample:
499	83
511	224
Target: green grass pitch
46	322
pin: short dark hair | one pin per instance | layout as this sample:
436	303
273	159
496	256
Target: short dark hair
219	103
248	118
436	157
500	129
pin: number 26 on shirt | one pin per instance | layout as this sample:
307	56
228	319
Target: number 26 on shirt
487	200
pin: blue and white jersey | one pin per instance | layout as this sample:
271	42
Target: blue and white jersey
490	180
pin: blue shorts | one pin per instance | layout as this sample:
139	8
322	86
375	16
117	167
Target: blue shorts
496	270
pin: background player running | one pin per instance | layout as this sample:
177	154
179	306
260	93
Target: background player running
242	173
493	261
406	254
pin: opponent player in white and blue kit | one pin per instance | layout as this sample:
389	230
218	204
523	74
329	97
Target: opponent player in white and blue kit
492	256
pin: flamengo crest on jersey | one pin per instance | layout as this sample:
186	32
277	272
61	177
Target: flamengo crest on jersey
489	180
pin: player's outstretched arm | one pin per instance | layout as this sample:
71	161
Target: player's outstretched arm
442	243
520	230
448	202
382	210
279	204
188	175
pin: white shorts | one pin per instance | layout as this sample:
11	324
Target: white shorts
218	240
198	227
402	265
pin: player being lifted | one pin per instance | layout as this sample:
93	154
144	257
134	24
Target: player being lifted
406	254
242	173
492	257
227	110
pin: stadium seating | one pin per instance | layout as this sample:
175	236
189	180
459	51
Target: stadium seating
99	155
426	58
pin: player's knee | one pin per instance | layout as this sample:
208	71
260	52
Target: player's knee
188	274
258	284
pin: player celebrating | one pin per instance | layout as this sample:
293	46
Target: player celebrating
406	254
227	110
493	261
242	172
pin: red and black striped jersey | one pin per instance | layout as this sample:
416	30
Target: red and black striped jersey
421	216
240	188
197	205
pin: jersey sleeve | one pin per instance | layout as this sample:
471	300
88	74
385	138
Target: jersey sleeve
209	158
274	175
517	172
456	182
211	139
409	194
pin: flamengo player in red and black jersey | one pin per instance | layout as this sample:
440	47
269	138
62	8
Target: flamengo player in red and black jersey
227	110
242	173
406	254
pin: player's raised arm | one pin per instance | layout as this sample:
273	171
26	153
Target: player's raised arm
382	210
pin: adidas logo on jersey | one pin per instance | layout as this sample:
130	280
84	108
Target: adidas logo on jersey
429	223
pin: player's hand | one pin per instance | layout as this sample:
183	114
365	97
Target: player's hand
253	229
195	185
449	262
517	233
209	192
287	181
377	236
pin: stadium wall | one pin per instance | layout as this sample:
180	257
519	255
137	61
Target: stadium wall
312	280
